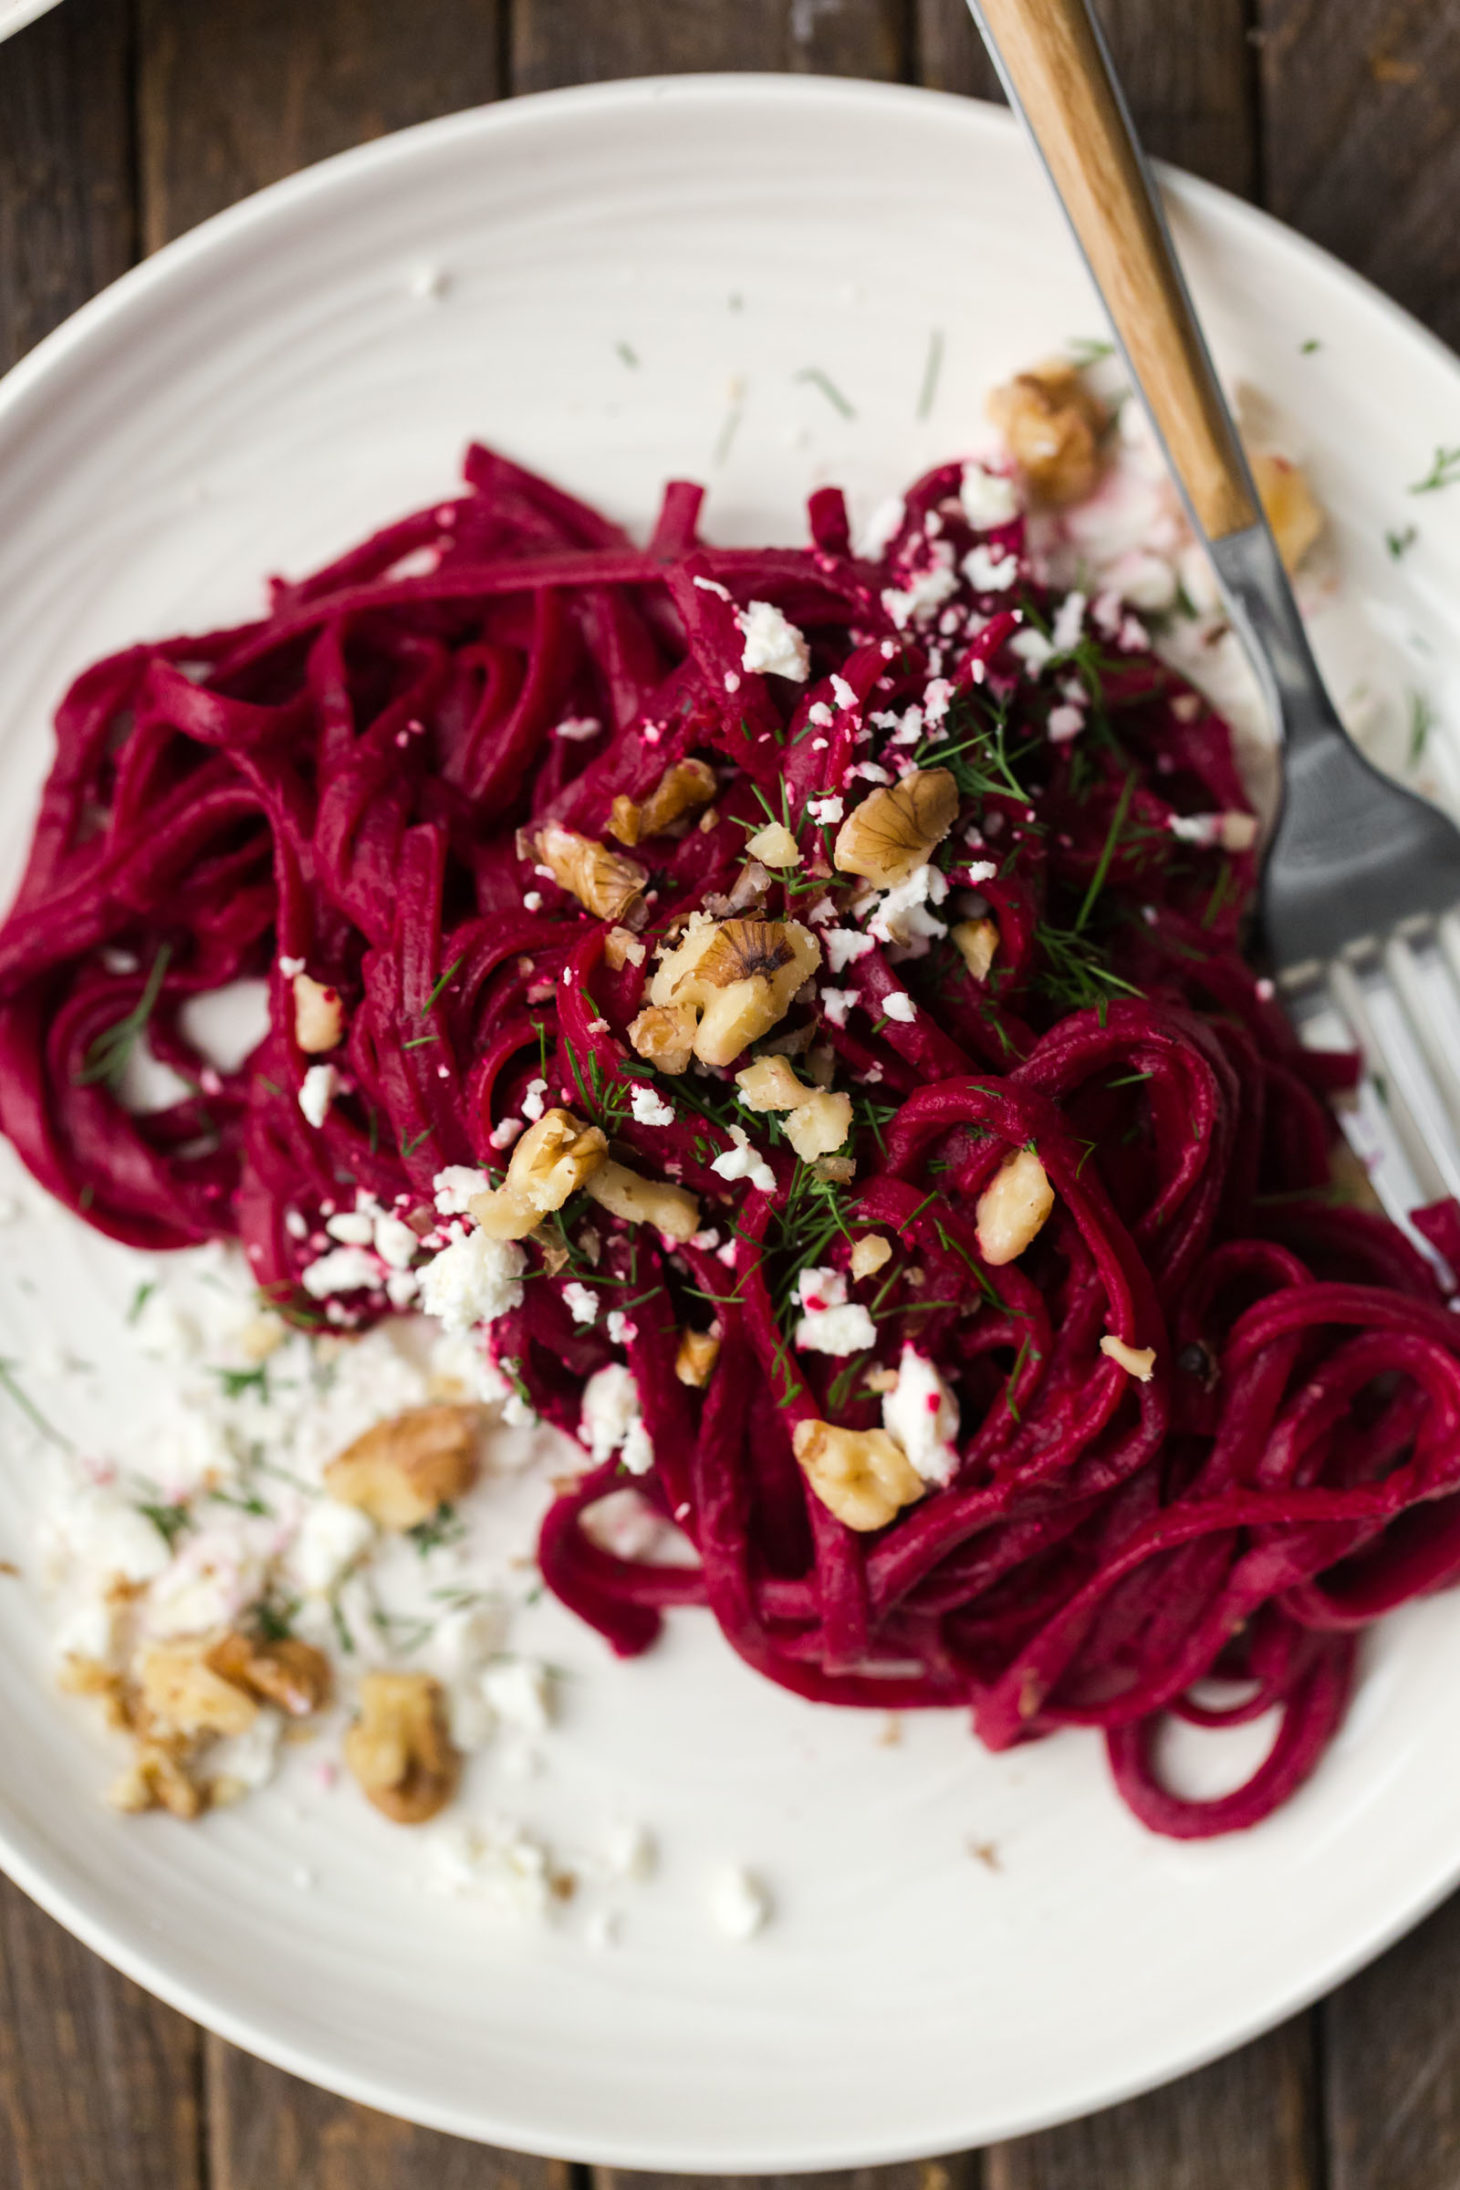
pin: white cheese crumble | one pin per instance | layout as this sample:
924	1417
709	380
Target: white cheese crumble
988	498
534	1100
882	528
581	1302
745	1161
331	1539
611	1422
901	916
650	1108
520	1692
990	570
846	699
1069	622
773	645
317	1090
842	945
713	585
829	1323
915	601
343	1270
739	1904
1033	649
473	1280
900	1006
351	1227
922	1414
289	967
1065	722
836	1003
826	812
394	1241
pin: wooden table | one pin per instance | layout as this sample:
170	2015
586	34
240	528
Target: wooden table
122	123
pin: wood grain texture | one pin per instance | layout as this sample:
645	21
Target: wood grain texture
1391	2042
66	226
268	2131
1248	2122
1186	65
1361	139
961	2172
99	2084
232	94
1059	76
585	41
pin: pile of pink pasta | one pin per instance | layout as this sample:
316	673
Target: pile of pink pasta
354	784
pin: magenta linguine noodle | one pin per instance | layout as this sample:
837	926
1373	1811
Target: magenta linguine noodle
353	783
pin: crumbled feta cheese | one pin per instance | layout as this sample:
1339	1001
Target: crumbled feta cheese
621	1327
826	812
1069	622
343	1270
289	967
1065	722
500	1863
745	1161
611	1422
248	1760
395	1242
836	1003
772	644
900	1006
990	570
505	1133
829	1324
820	716
924	591
901	916
1033	649
882	528
937	699
988	498
922	1414
713	585
456	1188
534	1100
842	945
846	699
650	1108
317	1091
351	1227
578	727
581	1302
331	1539
738	1902
520	1692
473	1280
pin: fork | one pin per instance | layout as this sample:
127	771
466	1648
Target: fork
1361	879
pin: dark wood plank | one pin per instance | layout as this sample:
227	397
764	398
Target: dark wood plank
585	41
1187	67
961	2172
66	214
1361	100
1249	2120
1391	2043
235	93
99	2083
268	2131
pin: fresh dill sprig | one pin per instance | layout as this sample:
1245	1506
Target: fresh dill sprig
1444	471
168	1520
10	1384
815	377
1421	723
442	983
108	1056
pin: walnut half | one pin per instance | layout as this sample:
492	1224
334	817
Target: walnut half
402	1471
739	975
604	882
552	1160
1052	426
893	832
399	1749
862	1476
680	790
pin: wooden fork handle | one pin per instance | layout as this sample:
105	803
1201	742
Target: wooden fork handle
1056	69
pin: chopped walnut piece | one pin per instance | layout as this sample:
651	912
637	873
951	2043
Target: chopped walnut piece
624	1193
554	1157
1137	1361
862	1476
818	1125
770	1083
694	1362
665	1034
1013	1207
840	1170
289	1673
179	1689
80	1676
976	942
319	1015
688	784
157	1779
1051	426
604	882
740	976
869	1254
401	1471
893	832
621	947
1292	509
775	846
399	1749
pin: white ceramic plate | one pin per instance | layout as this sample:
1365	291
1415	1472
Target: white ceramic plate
253	399
14	14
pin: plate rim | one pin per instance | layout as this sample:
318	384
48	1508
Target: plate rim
23	1852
